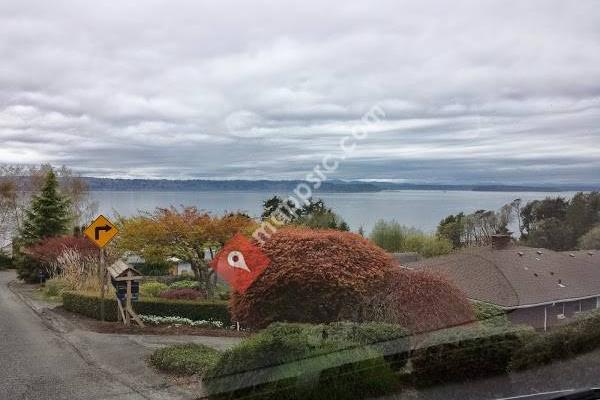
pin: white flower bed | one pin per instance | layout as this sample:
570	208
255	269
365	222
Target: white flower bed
156	320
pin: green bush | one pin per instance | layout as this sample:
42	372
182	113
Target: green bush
55	287
153	268
490	314
152	289
466	353
6	261
394	237
580	336
185	284
88	304
185	359
299	361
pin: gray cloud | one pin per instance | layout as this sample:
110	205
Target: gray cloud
495	91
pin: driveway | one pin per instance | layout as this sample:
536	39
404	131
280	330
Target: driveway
46	358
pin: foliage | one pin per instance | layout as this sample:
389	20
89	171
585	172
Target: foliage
579	336
55	287
551	233
181	294
313	214
48	250
490	314
88	304
153	268
48	214
557	223
314	276
295	361
394	237
185	359
184	284
18	183
156	320
184	234
590	240
453	228
6	261
152	289
419	300
476	229
466	353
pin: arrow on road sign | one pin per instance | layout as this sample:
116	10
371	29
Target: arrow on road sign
97	230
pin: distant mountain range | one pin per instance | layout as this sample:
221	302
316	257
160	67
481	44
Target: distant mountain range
277	186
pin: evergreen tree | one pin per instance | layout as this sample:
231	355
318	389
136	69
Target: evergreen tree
48	214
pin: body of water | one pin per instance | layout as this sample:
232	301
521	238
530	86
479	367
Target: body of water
422	209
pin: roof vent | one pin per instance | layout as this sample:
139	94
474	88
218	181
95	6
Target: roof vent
539	252
571	255
535	274
520	253
539	259
590	253
560	284
551	273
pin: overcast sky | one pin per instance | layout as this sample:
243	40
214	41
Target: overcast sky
505	91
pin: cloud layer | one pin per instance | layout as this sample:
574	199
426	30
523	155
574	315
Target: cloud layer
491	91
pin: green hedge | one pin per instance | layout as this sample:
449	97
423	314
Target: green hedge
466	353
490	314
580	336
185	359
89	305
301	361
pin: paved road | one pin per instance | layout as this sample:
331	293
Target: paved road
37	363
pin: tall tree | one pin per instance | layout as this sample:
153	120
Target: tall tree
48	214
186	234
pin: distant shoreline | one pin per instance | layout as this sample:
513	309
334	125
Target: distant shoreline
335	186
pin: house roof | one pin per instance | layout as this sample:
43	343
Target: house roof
517	276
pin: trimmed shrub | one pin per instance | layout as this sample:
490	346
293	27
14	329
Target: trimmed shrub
181	294
314	276
490	314
185	359
466	353
296	361
580	336
185	284
152	289
419	300
88	304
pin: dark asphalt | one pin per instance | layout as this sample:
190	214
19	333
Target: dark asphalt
36	363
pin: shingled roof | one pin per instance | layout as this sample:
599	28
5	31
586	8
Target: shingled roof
517	276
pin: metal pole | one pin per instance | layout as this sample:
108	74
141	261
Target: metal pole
102	284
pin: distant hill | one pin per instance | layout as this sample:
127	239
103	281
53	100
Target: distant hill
332	186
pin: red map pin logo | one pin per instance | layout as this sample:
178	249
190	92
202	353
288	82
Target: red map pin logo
239	263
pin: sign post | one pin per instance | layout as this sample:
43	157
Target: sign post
101	232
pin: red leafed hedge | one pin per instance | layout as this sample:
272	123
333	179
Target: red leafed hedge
418	300
181	294
48	250
314	276
323	276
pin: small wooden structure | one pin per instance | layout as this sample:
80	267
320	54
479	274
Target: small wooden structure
125	279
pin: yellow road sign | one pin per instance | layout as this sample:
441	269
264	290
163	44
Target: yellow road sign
101	231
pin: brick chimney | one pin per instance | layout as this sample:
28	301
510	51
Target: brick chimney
500	242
